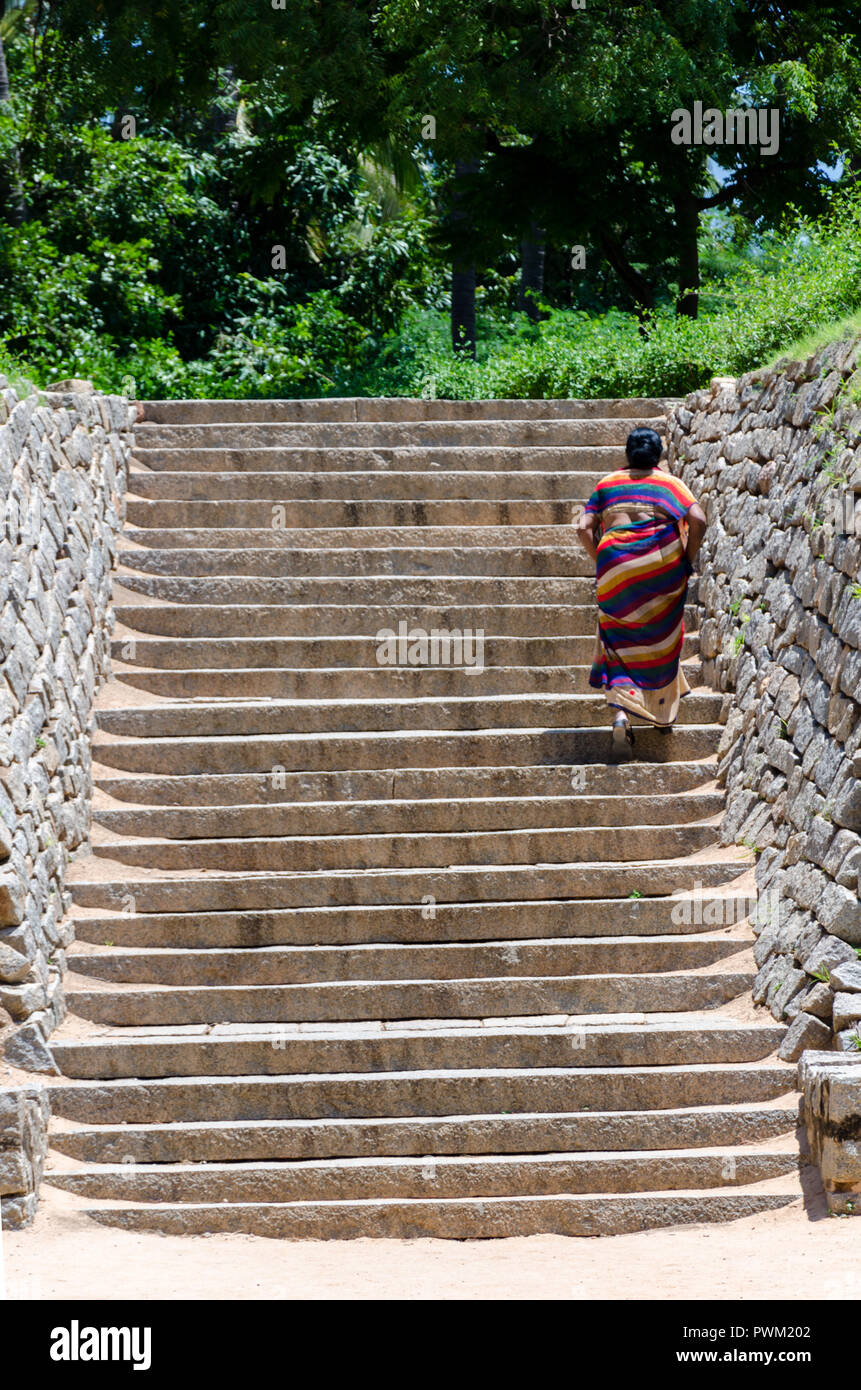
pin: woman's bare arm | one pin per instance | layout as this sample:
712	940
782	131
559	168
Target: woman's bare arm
586	533
696	520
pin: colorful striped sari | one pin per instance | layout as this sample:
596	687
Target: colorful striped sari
642	580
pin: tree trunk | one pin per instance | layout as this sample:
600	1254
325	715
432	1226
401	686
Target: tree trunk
641	289
462	273
463	309
687	228
11	194
5	94
532	274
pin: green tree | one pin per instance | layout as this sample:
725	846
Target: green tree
570	116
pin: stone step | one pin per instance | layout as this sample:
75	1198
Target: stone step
321	513
426	816
379	1069
350	408
381	433
124	1093
328	538
423	888
282	965
356	682
456	1219
285	1140
345	927
413	487
342	717
351	653
622	781
443	591
698	910
410	849
193	621
398	558
369	460
130	1006
432	1177
279	753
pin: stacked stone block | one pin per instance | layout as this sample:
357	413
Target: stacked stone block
23	1146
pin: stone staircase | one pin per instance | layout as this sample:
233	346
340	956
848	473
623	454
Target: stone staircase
392	951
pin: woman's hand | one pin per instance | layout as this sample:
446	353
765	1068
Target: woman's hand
586	528
696	523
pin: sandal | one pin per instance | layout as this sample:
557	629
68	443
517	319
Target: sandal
622	732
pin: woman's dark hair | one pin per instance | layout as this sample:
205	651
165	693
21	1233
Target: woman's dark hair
643	448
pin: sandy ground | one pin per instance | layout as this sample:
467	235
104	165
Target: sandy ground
781	1255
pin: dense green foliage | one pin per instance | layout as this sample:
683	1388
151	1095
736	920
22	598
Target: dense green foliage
315	346
212	198
811	275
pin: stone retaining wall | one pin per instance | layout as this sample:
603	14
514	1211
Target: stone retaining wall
775	460
63	464
24	1114
830	1088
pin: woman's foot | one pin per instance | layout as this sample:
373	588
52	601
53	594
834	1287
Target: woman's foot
622	732
665	728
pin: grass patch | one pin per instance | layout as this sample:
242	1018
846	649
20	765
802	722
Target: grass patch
19	376
836	330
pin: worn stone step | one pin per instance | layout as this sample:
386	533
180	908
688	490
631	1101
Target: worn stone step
356	682
455	1219
279	753
369	460
411	486
139	891
293	513
426	816
382	433
442	591
378	1071
254	1140
328	538
193	621
510	1089
439	714
621	781
353	653
411	849
397	558
439	591
433	1177
698	910
355	1001
441	960
350	408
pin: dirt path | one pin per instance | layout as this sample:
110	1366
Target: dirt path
64	1255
